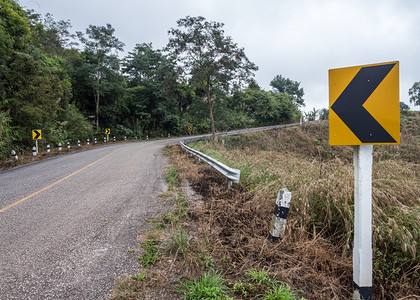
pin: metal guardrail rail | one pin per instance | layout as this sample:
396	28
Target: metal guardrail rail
232	174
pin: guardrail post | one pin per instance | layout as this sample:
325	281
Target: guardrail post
229	184
59	146
34	151
14	154
48	148
281	210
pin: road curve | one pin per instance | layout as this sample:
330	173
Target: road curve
67	223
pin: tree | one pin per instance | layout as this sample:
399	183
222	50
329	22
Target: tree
286	85
208	58
324	114
414	93
100	48
312	115
56	35
404	106
268	108
146	66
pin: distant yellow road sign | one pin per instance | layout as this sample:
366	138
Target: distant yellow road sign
107	131
364	105
36	134
189	128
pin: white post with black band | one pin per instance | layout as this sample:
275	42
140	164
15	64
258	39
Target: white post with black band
14	154
281	211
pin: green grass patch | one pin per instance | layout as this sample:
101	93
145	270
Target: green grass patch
261	285
151	253
209	286
172	178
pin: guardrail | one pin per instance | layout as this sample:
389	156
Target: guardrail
232	174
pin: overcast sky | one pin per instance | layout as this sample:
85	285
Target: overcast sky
298	39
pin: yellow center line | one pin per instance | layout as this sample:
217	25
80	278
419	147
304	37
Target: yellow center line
51	185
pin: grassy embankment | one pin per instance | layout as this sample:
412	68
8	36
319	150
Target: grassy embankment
321	180
222	240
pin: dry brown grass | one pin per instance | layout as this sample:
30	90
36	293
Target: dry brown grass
236	223
315	257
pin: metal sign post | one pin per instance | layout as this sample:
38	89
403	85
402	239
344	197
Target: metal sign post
362	249
107	132
36	135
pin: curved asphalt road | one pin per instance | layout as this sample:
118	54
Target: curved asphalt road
67	223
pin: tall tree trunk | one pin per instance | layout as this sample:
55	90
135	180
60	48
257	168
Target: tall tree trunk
213	128
97	94
97	109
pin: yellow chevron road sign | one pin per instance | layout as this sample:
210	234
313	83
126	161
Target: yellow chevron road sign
36	134
364	104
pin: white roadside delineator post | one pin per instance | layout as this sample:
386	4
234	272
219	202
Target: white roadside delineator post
96	141
59	146
362	250
48	148
34	151
78	143
14	154
281	210
87	141
68	145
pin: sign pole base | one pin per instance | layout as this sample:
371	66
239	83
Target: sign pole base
364	292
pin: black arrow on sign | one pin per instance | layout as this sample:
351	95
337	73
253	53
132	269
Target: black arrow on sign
37	134
349	109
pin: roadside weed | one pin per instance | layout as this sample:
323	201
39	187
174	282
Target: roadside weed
280	292
172	178
261	277
151	253
208	286
140	277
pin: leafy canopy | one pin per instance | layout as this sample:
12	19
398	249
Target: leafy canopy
291	87
208	59
414	93
206	56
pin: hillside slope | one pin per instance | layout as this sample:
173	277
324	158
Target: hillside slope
320	178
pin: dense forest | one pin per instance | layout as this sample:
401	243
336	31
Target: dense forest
73	85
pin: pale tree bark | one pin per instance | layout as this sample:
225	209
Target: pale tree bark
213	128
97	95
